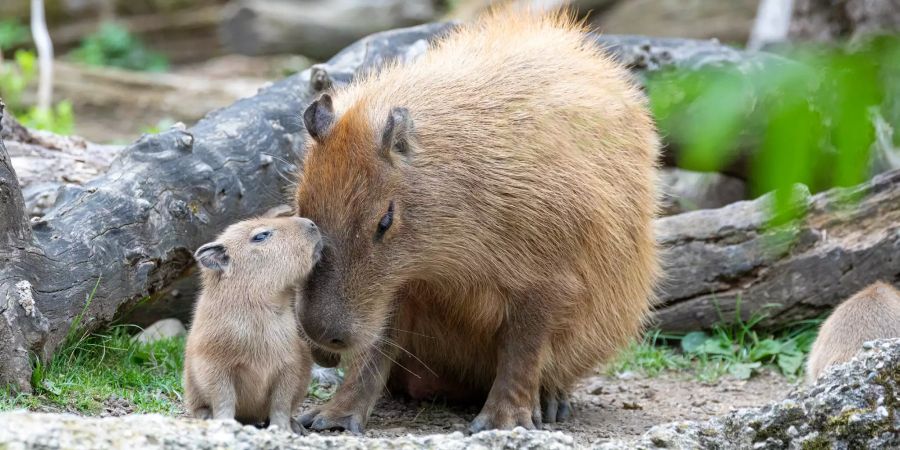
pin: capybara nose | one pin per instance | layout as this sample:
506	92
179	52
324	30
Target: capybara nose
308	225
330	338
337	343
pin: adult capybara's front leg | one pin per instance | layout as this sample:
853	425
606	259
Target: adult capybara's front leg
514	398
352	403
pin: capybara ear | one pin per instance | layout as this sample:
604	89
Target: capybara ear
318	118
397	135
213	256
279	211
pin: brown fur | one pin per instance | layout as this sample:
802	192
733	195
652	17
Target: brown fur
245	358
521	253
872	313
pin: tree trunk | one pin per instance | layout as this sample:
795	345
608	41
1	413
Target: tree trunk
725	261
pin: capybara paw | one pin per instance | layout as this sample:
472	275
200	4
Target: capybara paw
297	427
325	420
556	407
506	419
202	413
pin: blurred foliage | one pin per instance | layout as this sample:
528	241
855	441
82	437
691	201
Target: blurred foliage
159	127
113	45
12	34
15	77
807	122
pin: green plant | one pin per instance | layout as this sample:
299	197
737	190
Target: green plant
160	126
113	45
807	122
12	34
15	77
734	347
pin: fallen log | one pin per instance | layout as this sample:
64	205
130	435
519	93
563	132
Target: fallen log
728	261
45	162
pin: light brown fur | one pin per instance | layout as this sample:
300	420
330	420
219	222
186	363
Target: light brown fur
872	313
245	358
521	253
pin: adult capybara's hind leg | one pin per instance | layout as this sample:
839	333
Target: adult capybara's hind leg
555	405
514	398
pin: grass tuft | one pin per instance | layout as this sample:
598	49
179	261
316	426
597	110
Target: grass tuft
107	371
738	349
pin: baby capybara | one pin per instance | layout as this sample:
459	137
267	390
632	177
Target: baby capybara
870	314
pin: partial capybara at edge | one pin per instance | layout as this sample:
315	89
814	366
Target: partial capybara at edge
870	314
245	358
487	212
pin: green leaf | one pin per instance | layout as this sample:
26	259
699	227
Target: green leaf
790	363
715	347
743	371
767	348
692	341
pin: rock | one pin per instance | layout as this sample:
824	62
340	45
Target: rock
729	21
163	329
854	405
23	430
829	20
684	190
314	28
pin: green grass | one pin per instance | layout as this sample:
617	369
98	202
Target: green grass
97	368
738	349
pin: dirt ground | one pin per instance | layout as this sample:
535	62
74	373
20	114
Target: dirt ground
604	407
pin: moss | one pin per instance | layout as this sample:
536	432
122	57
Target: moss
819	442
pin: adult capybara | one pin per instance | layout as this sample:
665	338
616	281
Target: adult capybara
872	313
487	215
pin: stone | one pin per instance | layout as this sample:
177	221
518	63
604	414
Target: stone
825	415
163	329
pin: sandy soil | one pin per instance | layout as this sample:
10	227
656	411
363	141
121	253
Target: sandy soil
605	407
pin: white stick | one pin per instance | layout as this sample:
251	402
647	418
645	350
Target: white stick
773	21
45	54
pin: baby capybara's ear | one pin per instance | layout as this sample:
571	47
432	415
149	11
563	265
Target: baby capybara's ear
213	256
319	117
279	211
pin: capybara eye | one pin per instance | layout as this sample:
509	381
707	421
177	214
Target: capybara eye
260	237
385	221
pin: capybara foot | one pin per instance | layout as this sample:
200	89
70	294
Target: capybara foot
506	417
327	419
556	406
297	427
202	413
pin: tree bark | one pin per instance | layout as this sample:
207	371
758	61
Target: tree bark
726	261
